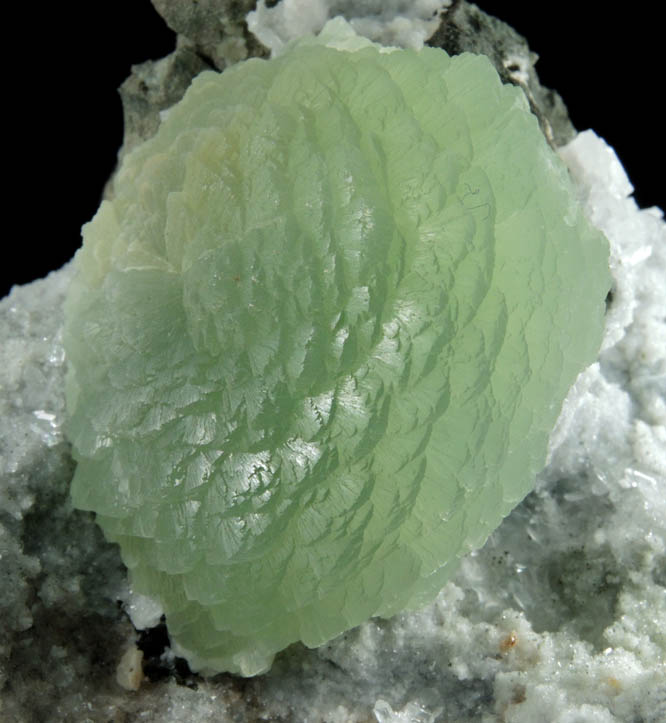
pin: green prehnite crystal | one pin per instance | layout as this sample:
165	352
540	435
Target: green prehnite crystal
318	340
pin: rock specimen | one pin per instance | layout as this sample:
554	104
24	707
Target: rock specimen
319	338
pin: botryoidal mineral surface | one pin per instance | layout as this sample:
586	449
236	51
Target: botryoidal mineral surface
318	339
560	615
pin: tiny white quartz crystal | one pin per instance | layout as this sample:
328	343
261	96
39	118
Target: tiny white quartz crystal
405	23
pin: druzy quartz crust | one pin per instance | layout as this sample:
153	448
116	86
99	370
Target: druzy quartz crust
319	337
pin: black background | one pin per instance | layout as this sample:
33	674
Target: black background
64	118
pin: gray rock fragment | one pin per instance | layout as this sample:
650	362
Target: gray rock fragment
211	34
466	28
154	86
216	28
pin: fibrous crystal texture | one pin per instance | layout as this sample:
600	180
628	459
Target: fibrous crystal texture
319	337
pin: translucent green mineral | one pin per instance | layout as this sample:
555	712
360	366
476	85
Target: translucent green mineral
319	337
